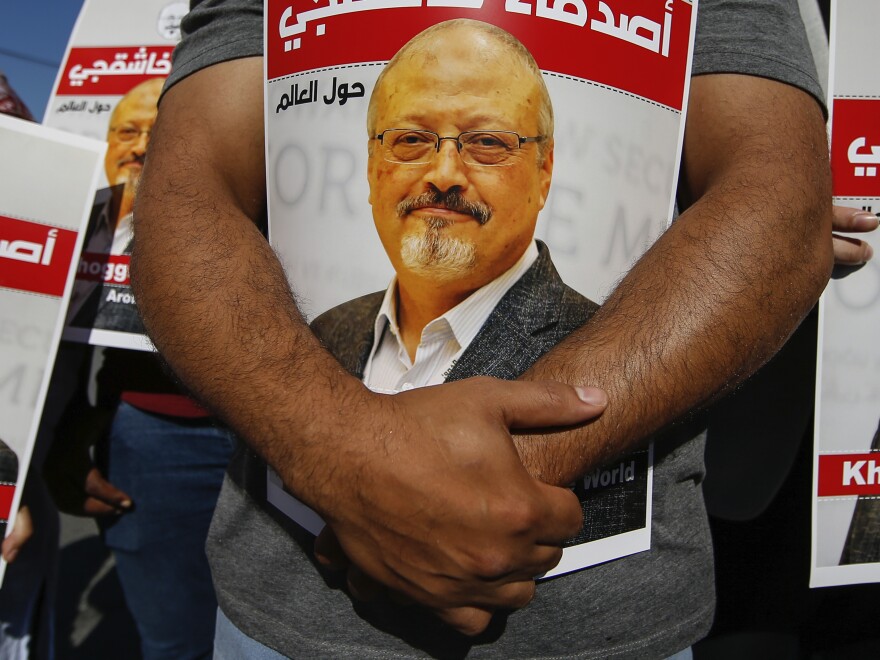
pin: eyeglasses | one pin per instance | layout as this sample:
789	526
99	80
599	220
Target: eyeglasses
129	133
416	147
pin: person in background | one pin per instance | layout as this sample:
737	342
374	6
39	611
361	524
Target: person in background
141	457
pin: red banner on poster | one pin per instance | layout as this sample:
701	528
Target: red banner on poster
112	71
34	257
855	148
612	41
7	491
842	475
103	267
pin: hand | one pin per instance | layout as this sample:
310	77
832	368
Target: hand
466	620
21	532
75	483
453	521
850	251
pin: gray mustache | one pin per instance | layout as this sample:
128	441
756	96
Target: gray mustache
453	200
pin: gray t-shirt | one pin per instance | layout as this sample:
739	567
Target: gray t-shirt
648	605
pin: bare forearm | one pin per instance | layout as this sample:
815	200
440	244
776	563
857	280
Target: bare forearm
212	293
719	292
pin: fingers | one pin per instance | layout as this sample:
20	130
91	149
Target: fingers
853	220
469	621
21	532
566	520
102	497
329	552
850	251
534	404
361	586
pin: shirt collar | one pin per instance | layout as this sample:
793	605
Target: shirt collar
466	318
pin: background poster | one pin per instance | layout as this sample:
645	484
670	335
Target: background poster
617	75
47	179
107	88
846	506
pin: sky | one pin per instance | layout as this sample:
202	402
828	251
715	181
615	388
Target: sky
33	37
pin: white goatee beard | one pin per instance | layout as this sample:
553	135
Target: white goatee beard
129	182
433	253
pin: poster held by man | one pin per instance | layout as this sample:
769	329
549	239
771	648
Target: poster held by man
477	143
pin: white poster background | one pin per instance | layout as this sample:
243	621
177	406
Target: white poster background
109	24
612	194
48	177
848	378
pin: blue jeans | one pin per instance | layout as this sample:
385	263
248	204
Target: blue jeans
232	644
172	469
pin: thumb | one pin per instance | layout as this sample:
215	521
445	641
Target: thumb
21	532
99	488
466	620
328	550
545	403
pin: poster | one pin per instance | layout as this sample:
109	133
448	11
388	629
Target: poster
439	177
47	180
107	88
846	475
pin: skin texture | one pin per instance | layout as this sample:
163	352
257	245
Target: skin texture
710	302
721	290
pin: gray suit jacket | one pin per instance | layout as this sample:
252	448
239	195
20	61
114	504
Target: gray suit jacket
534	315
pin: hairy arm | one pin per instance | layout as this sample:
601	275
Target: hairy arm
721	290
444	511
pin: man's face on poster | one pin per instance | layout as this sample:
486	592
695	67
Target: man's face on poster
129	132
458	217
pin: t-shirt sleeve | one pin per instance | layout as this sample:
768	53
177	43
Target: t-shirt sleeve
217	31
763	38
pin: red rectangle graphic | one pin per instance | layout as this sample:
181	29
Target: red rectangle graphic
855	147
34	257
112	71
842	475
102	267
7	491
640	47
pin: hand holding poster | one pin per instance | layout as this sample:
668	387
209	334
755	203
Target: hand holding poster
47	179
846	508
485	130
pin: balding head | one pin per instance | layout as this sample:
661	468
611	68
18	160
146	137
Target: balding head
483	43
